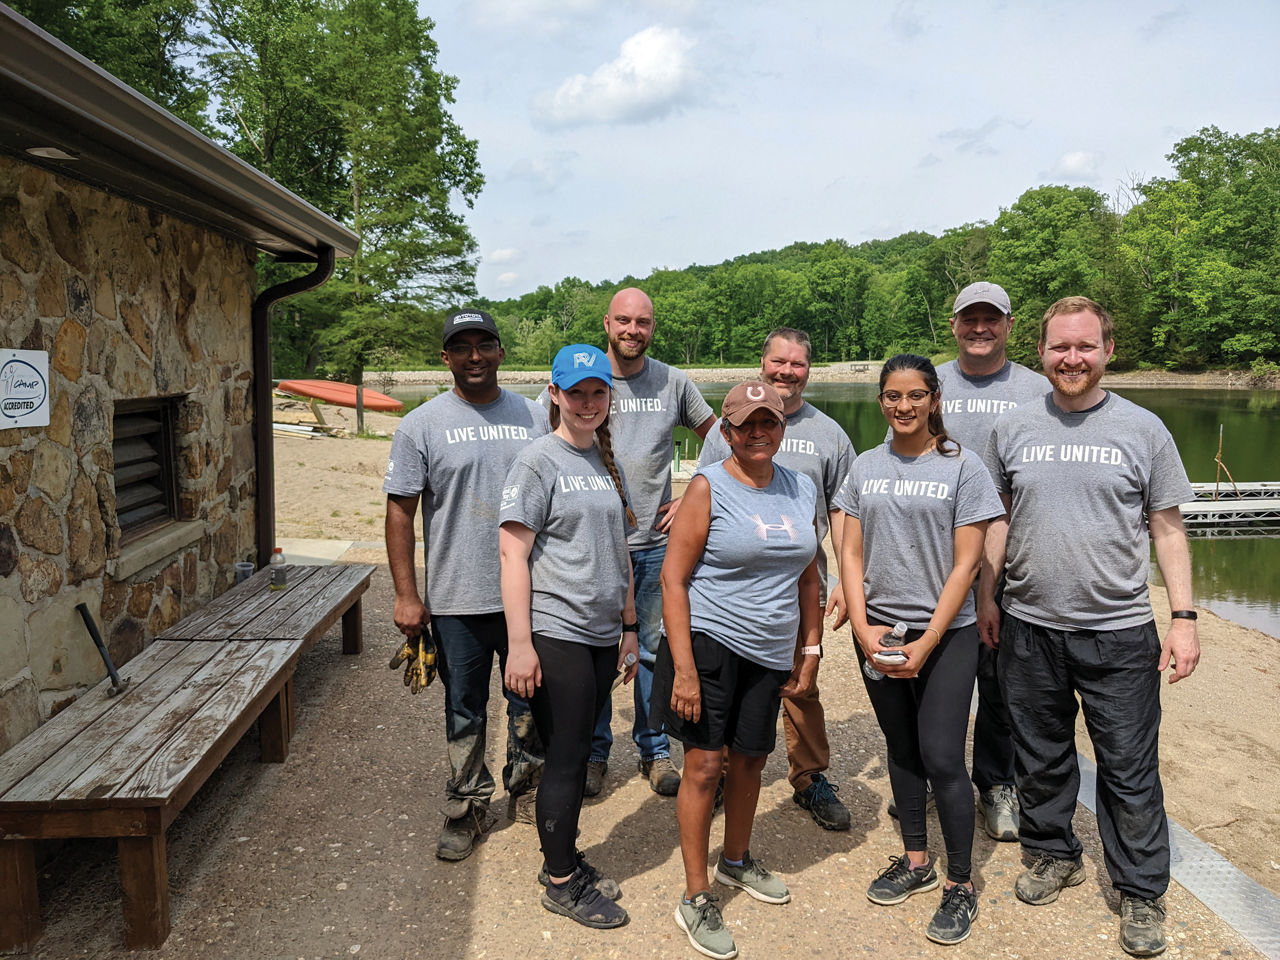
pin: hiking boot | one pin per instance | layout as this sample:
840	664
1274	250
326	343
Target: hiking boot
900	880
1046	878
820	799
523	807
928	802
955	916
598	880
1142	926
999	809
664	778
458	835
579	900
701	921
596	769
753	878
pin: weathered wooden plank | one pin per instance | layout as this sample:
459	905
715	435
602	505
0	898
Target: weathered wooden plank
47	740
298	607
353	626
208	734
242	603
275	725
144	877
314	621
232	599
19	899
65	824
169	720
125	713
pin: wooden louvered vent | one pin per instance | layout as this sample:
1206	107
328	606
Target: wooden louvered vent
146	482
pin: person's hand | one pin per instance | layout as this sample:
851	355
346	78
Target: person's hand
524	670
686	696
629	647
917	651
411	616
1181	647
835	604
803	679
989	622
666	514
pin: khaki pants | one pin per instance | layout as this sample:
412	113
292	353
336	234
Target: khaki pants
804	724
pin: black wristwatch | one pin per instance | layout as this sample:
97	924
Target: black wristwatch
1185	615
631	628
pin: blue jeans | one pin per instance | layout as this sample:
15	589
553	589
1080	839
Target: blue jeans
646	566
465	647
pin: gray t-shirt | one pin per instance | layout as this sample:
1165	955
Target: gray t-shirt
579	565
647	407
455	454
910	508
745	589
1078	547
970	405
813	444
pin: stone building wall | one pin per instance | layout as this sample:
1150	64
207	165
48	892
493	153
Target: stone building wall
129	303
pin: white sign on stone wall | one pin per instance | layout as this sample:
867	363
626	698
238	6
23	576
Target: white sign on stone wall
24	388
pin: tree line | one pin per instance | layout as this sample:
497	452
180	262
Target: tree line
1189	265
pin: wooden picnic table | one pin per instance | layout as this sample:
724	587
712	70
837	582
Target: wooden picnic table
124	766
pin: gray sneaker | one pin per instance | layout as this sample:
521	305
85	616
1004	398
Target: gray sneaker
1047	877
663	777
596	769
999	808
753	878
954	919
701	922
1142	926
900	880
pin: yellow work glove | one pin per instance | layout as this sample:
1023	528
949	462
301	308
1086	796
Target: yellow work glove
418	654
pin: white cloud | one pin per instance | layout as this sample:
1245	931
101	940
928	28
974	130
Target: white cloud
507	279
905	21
652	75
504	255
1078	165
544	174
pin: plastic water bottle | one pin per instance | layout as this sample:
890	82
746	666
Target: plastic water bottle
279	572
899	633
627	661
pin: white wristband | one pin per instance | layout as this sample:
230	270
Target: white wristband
811	651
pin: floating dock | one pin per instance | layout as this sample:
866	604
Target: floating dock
1240	510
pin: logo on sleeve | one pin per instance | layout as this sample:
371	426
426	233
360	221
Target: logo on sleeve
509	496
391	465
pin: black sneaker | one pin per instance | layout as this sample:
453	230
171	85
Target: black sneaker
579	900
900	880
602	883
1142	926
955	916
1046	879
820	799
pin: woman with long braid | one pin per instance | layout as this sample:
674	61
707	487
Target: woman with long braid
567	594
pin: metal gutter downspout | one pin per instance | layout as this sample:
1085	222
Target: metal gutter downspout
263	445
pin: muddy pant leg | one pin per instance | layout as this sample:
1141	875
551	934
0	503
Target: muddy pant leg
1120	693
465	647
1037	683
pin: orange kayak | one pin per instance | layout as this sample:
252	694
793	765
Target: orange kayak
342	394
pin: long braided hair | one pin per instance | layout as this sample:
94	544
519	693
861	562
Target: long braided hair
922	366
604	441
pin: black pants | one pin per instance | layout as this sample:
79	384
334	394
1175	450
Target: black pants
924	720
1114	672
576	679
992	735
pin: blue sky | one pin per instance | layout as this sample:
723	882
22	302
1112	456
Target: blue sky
617	137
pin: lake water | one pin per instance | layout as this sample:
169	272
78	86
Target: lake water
1238	578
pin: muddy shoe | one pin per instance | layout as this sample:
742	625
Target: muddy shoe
752	877
820	799
664	778
900	880
523	807
955	917
578	899
1047	878
701	922
602	883
1142	926
596	769
458	835
999	807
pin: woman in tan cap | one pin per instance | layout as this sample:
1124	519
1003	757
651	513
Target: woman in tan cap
739	586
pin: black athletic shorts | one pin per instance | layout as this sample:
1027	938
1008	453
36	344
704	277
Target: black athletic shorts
739	700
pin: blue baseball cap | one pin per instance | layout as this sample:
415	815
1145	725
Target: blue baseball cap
578	362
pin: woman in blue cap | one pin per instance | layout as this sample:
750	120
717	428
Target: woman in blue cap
567	594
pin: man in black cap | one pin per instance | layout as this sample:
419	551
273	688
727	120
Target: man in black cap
452	455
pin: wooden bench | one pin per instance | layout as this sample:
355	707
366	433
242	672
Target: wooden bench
125	766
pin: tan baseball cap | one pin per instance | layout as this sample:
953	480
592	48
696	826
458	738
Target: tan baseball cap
746	398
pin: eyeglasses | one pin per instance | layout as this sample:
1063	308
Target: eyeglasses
891	398
461	351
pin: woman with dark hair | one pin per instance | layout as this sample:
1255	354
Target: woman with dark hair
917	510
567	594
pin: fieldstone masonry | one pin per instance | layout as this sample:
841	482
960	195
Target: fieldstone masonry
129	303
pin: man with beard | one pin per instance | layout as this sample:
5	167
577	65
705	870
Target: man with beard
979	385
815	445
650	399
1077	472
452	455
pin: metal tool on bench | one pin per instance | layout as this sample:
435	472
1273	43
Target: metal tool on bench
420	654
117	685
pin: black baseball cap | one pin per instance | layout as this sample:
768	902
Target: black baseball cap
460	321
